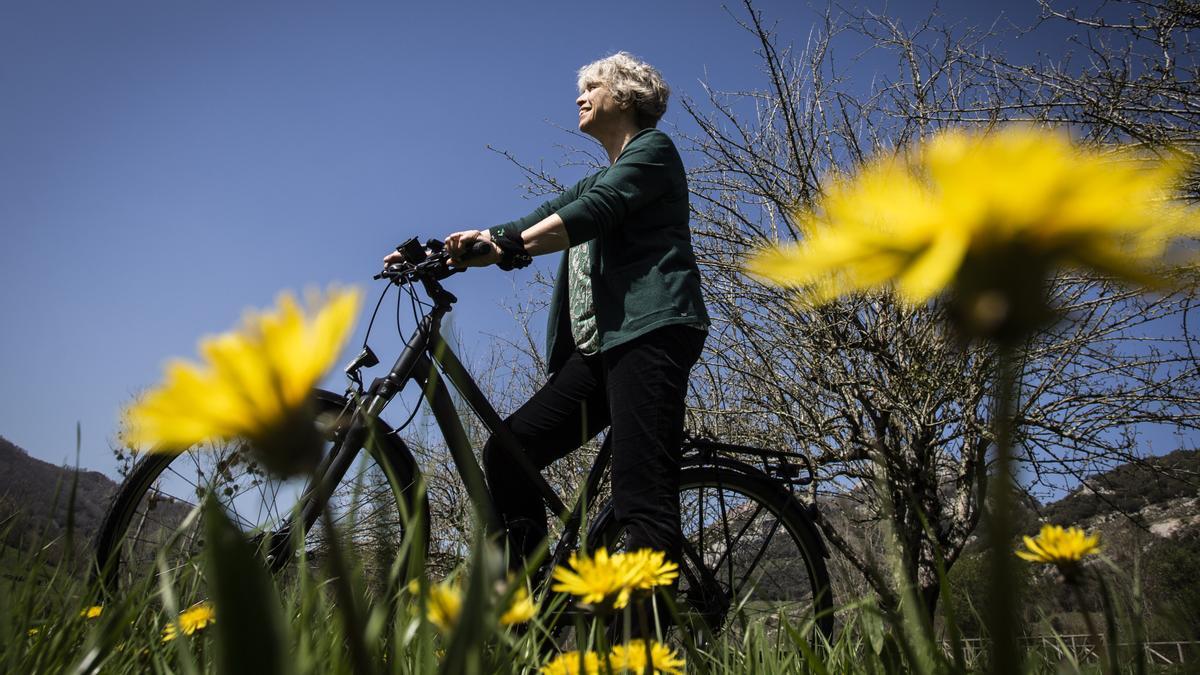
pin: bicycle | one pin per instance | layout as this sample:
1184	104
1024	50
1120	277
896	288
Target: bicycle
751	548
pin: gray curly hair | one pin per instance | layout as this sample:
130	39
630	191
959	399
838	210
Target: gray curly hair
632	81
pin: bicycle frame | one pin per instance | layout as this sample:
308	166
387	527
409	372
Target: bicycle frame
429	361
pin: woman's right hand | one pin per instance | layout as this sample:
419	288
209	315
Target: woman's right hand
459	243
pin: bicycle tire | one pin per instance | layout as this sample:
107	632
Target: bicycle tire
762	553
126	554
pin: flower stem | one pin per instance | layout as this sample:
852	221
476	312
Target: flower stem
602	647
1110	625
1002	607
1105	666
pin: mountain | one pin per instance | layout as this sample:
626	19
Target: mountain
34	497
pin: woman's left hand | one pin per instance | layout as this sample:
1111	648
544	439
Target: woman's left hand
459	244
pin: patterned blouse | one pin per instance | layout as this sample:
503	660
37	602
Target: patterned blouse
583	309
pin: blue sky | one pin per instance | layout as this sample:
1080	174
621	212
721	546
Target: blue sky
165	165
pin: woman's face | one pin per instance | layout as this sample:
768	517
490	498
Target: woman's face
598	110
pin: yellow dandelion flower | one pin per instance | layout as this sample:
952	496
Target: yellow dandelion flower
442	605
607	580
32	632
653	568
520	609
602	580
631	657
573	663
92	612
193	619
254	382
981	212
1058	546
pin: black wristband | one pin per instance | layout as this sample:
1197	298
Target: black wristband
513	255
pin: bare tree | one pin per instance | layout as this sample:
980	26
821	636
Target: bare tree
1135	79
892	412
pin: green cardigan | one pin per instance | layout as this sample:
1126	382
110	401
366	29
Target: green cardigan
644	273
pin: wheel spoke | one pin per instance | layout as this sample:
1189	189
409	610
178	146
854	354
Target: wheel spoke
737	591
725	527
732	545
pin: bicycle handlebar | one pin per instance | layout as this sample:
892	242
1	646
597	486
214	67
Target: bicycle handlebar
430	261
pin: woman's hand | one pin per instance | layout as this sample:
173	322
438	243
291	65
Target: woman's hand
459	244
393	257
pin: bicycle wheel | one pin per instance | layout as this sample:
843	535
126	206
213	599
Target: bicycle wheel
751	554
152	511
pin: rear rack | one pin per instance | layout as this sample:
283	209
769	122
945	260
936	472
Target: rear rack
782	465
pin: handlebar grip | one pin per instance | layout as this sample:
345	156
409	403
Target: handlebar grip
479	248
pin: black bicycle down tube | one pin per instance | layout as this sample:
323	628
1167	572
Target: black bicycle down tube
463	382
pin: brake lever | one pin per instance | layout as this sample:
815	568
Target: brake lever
391	271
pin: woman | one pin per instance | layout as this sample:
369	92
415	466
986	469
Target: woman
627	320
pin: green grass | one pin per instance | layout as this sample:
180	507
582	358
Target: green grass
308	622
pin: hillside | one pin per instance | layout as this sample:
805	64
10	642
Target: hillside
34	496
1160	495
1147	514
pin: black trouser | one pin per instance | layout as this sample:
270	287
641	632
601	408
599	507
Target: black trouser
638	387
